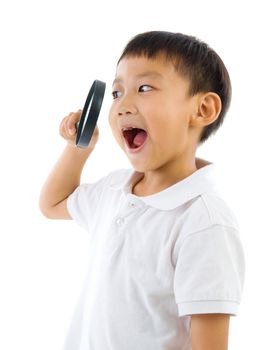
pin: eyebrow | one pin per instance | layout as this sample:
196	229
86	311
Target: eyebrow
142	75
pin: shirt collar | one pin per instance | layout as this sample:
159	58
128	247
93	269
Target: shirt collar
201	181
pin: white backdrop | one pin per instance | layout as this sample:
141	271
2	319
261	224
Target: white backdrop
51	51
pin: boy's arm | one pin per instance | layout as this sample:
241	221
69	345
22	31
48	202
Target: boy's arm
210	331
66	174
61	182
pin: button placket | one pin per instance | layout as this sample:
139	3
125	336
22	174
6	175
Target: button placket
127	209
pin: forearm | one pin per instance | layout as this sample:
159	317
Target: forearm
65	176
210	331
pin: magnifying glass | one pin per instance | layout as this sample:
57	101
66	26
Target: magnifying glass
90	113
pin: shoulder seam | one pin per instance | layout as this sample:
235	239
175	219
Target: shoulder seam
208	227
208	210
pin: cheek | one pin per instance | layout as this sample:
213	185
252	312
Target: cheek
110	116
158	120
112	121
167	130
113	125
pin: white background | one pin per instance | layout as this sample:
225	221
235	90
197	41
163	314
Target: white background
51	51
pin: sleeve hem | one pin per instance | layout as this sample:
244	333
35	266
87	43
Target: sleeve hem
72	211
69	206
208	307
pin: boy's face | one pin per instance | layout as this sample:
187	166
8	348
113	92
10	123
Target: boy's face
151	95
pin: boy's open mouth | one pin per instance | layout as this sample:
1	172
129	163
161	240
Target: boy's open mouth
135	137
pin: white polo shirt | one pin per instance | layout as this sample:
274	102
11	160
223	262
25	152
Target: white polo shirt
154	261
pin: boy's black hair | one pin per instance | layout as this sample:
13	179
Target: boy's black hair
192	58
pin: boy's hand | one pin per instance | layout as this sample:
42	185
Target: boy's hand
68	129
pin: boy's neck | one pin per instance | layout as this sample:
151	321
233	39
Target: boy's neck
155	181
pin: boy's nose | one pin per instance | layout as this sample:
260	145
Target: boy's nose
127	107
125	111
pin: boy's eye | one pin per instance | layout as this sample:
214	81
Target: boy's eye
115	94
142	88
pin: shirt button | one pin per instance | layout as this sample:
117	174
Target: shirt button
131	204
120	221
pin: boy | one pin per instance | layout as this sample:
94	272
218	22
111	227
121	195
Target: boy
167	266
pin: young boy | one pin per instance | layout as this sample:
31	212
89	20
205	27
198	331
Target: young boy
167	265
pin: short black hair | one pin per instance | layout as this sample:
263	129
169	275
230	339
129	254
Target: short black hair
192	58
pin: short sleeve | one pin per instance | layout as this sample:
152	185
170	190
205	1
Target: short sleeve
82	203
209	272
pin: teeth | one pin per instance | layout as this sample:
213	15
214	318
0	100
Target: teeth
129	128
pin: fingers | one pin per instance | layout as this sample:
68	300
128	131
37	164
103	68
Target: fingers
72	121
68	125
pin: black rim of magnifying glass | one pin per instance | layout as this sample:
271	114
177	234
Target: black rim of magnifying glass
90	114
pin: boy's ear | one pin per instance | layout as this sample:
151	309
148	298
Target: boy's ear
208	109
